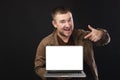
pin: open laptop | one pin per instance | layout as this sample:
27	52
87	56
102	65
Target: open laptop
64	61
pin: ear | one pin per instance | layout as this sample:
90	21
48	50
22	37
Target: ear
54	23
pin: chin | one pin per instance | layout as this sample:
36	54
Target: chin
68	35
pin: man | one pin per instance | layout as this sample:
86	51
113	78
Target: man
65	34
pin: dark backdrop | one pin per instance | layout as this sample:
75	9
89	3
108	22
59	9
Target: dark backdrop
25	22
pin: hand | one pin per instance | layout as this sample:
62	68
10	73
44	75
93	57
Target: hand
95	34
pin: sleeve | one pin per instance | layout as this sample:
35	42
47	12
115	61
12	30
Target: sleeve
40	61
89	59
105	38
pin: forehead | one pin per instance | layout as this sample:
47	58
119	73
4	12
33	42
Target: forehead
64	16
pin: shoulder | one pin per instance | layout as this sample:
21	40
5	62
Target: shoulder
80	32
79	35
48	39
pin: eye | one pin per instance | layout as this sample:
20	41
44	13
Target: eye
63	21
69	20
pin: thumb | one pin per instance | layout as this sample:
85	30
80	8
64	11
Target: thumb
90	27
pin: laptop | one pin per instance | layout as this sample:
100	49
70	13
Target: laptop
64	61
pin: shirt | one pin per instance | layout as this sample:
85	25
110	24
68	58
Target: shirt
77	38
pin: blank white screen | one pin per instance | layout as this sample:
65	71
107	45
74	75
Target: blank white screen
64	58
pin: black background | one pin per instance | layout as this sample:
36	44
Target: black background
25	22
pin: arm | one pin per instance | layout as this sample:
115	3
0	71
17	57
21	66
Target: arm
105	39
40	61
89	58
98	36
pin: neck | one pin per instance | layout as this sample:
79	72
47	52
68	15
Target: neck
64	38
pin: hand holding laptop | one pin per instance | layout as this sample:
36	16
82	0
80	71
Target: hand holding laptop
64	61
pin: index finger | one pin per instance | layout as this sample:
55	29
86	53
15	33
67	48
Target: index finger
87	36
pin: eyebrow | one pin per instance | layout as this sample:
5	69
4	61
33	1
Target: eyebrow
67	19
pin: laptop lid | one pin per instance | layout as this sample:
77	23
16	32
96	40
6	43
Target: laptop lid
64	58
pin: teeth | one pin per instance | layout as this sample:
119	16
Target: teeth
67	29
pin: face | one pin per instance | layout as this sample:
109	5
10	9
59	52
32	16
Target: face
64	24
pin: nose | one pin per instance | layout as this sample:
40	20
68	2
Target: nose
67	24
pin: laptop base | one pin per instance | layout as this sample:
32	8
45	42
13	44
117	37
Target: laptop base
64	74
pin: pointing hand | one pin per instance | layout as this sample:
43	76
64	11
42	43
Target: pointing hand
95	34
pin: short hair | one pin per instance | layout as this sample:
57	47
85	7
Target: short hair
60	9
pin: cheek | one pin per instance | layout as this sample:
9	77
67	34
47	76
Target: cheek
71	23
61	26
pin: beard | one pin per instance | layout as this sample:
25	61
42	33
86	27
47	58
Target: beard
63	34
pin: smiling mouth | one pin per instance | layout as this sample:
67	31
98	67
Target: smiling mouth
67	29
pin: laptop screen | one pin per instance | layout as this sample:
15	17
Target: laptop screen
64	58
